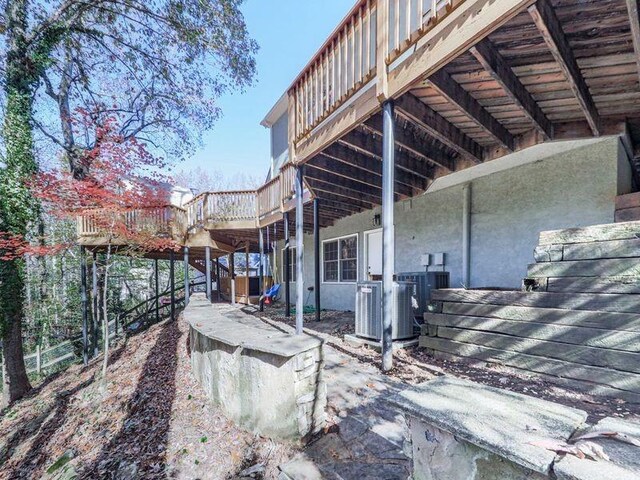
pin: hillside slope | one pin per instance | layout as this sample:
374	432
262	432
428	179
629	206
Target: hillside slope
153	421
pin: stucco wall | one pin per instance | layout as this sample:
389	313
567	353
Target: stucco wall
552	186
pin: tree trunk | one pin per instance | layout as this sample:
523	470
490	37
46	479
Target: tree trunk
18	209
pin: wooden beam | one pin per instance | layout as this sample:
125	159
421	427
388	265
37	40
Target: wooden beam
458	96
419	113
415	146
547	22
356	189
372	145
497	67
634	17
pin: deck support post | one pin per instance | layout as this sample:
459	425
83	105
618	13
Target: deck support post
299	189
172	281
261	270
85	305
95	305
232	276
466	235
287	268
388	232
186	276
218	288
316	255
156	278
207	260
247	283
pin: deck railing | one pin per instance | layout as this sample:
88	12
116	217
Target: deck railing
168	220
372	36
344	64
270	197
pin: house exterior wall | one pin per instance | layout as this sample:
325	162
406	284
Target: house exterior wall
550	186
279	143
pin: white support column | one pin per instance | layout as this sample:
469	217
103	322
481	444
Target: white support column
466	235
299	252
388	232
186	276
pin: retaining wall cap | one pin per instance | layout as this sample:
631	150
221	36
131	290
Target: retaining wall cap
624	461
505	423
233	327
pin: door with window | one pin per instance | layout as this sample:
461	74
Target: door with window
373	255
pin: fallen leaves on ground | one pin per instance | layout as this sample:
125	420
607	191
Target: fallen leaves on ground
152	422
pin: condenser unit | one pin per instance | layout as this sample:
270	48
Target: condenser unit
425	283
369	310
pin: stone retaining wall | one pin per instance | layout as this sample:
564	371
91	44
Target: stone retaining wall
266	381
461	430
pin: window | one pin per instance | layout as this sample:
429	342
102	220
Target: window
293	258
340	259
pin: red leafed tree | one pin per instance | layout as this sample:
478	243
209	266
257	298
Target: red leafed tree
124	199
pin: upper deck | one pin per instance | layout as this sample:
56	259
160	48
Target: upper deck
470	80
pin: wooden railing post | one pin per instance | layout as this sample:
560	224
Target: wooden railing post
292	131
382	49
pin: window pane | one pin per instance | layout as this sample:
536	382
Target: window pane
349	248
349	271
331	251
331	271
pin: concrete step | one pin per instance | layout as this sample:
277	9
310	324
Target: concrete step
565	334
623	284
590	379
593	233
556	316
584	355
604	302
588	251
607	267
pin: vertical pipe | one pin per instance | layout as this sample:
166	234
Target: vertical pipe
466	235
85	306
186	276
218	278
207	269
156	275
316	254
299	251
388	232
172	281
232	273
287	268
261	271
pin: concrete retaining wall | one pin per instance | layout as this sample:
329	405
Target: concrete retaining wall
266	381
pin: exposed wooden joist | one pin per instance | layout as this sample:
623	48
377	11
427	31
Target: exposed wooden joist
547	22
372	145
417	112
372	167
497	67
459	97
356	190
413	144
634	17
323	188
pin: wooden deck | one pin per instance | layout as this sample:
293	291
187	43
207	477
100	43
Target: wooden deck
471	81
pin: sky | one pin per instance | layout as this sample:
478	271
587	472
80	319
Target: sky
288	32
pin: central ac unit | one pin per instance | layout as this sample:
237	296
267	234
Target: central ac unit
369	310
425	282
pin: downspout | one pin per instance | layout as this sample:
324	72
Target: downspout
466	235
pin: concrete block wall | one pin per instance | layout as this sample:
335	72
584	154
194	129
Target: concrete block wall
551	186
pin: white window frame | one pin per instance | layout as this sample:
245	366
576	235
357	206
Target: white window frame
293	263
340	281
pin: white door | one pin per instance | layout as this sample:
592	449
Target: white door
374	253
